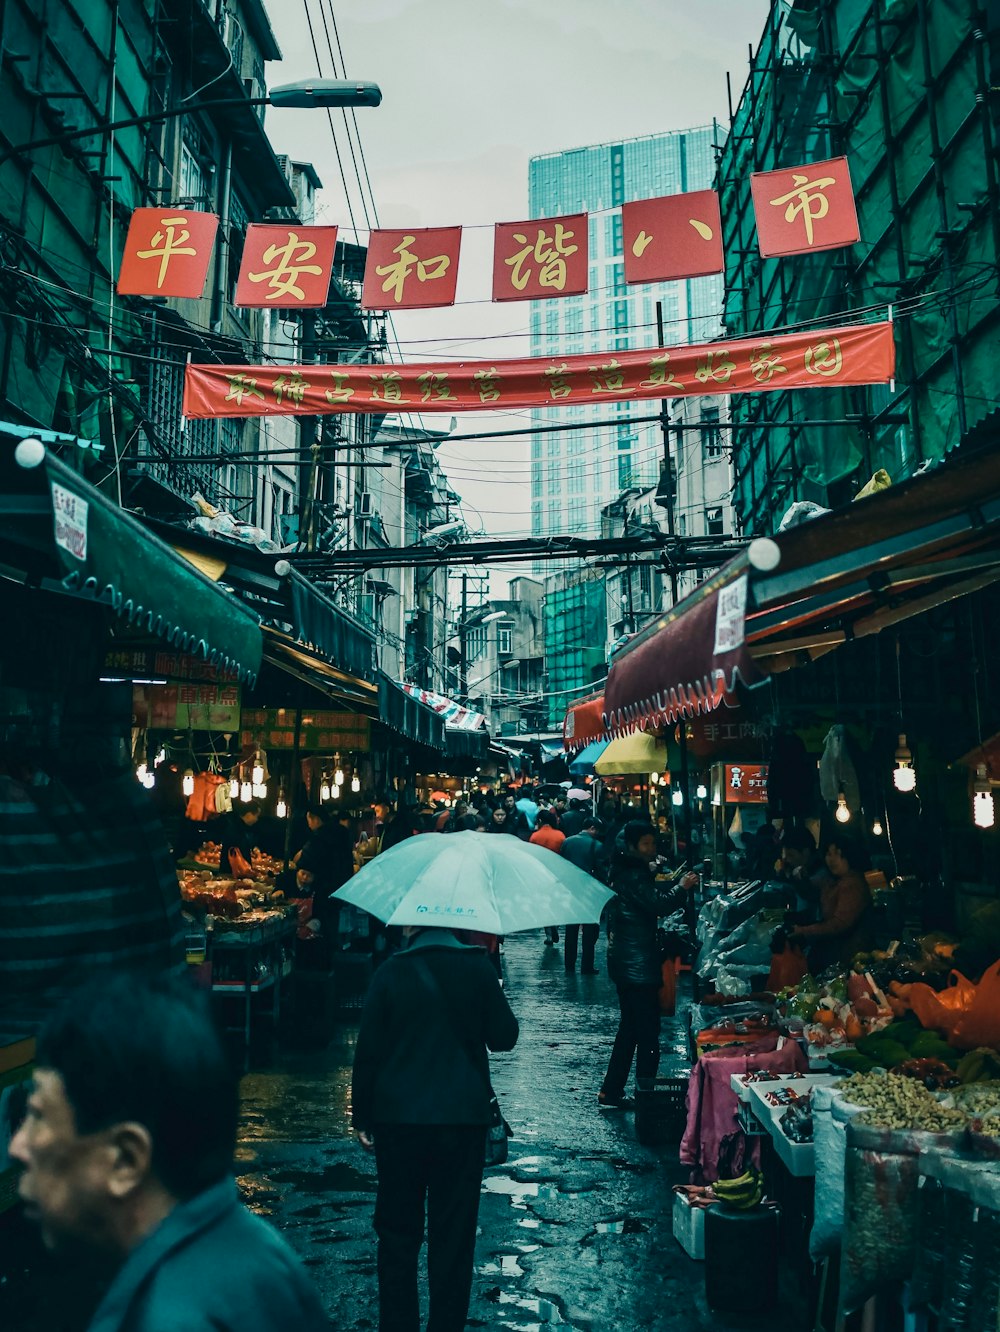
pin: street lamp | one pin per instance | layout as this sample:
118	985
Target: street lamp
302	93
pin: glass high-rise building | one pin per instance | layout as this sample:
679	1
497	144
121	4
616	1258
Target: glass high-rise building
576	472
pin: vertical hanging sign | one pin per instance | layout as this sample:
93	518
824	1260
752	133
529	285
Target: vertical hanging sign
167	252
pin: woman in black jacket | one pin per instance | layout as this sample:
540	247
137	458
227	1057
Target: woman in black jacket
421	1102
634	960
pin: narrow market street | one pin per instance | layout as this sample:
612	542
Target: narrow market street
575	1230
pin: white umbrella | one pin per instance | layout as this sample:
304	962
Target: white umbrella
494	883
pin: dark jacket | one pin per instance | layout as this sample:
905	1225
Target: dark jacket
211	1266
585	852
421	1052
330	856
573	821
633	951
846	927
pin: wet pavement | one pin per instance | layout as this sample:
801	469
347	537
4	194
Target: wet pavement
574	1230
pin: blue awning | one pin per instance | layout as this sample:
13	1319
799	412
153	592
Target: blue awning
583	764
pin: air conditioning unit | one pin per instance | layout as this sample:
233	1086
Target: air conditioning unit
365	507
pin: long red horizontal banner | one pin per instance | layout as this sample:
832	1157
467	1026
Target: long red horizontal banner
830	358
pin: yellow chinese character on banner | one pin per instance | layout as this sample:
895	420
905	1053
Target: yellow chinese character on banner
435	388
292	386
551	252
487	384
283	280
559	381
806	199
340	391
765	363
396	274
825	358
609	378
167	243
242	386
388	387
659	376
716	372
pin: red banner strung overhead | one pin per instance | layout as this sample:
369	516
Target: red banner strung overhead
678	236
533	260
827	358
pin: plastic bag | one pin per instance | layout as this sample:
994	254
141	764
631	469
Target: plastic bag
967	1014
881	1208
787	968
238	866
668	986
830	1116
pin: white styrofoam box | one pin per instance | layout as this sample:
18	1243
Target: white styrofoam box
770	1114
799	1158
689	1227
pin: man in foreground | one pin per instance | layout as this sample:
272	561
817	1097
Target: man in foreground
127	1152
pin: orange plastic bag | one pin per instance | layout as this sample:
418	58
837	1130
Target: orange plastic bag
942	1010
787	968
979	1024
668	986
238	866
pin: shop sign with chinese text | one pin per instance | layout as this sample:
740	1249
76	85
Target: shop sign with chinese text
746	784
274	728
188	707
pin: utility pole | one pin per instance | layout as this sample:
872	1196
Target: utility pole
463	646
670	496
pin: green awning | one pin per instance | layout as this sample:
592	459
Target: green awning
60	531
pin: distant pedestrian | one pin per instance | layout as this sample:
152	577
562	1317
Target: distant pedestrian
634	960
528	806
574	820
516	822
586	852
127	1153
548	835
420	1101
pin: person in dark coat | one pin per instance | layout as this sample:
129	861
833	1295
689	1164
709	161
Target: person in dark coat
634	960
845	926
585	850
421	1102
573	820
237	834
127	1155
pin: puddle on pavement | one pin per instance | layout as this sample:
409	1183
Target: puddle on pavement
508	1265
543	1312
627	1225
520	1190
531	1222
336	1178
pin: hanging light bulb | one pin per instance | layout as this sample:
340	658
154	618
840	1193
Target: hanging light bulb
702	791
842	814
335	789
281	808
355	783
904	778
257	775
677	798
983	810
324	789
140	773
161	757
877	828
246	791
654	777
234	787
149	781
187	782
259	790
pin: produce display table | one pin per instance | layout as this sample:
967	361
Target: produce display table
797	1157
246	962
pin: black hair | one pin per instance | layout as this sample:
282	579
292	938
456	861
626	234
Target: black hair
317	811
144	1048
799	839
635	830
547	818
251	807
851	850
596	824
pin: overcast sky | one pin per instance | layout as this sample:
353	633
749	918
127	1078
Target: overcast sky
471	90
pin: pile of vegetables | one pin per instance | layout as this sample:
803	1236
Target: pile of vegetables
900	1103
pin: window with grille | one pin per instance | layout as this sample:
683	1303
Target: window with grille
714	525
505	638
711	434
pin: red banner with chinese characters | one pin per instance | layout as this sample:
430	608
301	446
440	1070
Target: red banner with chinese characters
801	209
833	357
678	236
546	257
167	252
286	266
411	270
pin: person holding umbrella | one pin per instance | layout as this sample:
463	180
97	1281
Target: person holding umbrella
634	961
421	1102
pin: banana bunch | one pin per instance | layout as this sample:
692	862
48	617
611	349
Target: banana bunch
978	1066
743	1193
